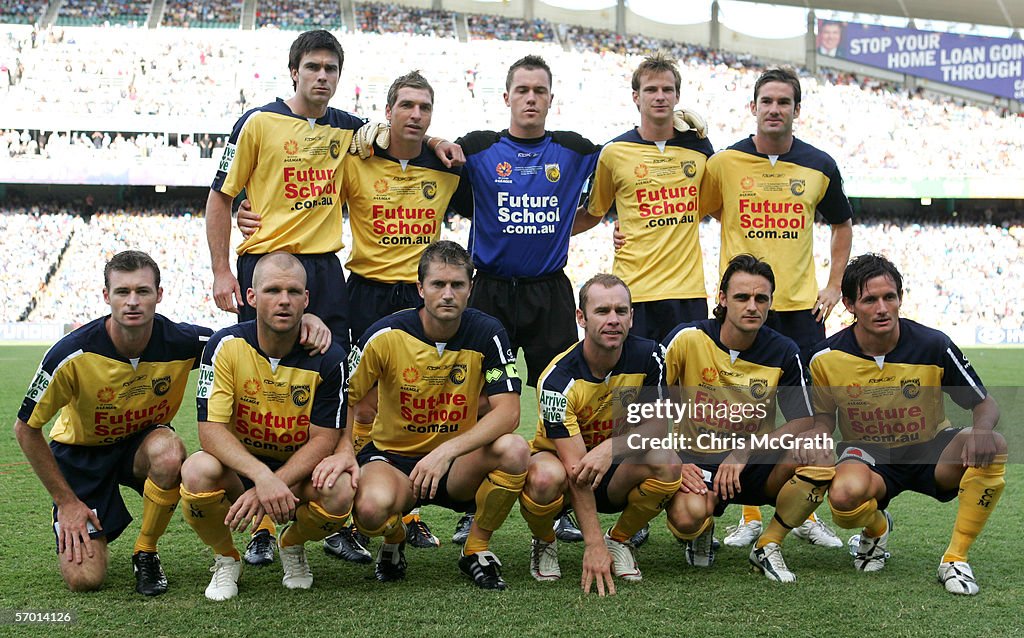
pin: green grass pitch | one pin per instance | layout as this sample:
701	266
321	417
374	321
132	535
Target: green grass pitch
828	599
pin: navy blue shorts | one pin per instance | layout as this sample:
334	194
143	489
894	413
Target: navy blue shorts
910	468
95	473
328	295
753	478
604	503
798	325
405	464
370	300
539	315
655	319
273	464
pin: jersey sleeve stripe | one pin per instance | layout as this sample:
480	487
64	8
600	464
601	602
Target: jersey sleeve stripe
503	359
803	385
966	375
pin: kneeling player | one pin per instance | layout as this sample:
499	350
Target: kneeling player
268	414
896	437
585	394
732	370
429	365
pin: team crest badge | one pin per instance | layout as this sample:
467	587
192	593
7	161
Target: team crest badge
747	183
689	168
503	169
797	186
300	395
429	190
291	147
334	149
641	171
381	186
457	374
710	375
106	394
910	387
410	375
759	388
552	172
252	387
161	386
627	396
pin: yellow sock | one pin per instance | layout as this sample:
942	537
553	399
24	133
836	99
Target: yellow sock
684	536
751	513
866	515
980	489
540	518
157	508
391	530
412	516
644	502
313	523
360	434
495	498
266	523
797	500
475	545
205	512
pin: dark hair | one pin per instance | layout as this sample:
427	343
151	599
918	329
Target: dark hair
657	63
748	264
865	267
130	261
779	74
529	63
601	279
314	41
411	80
446	252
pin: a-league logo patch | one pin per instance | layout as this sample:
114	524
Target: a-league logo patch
910	387
504	169
854	390
300	395
797	187
457	374
689	168
747	183
430	190
252	387
291	147
106	394
410	375
161	386
552	172
710	375
641	170
381	186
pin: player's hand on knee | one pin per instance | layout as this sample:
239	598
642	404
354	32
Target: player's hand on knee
73	541
314	335
248	222
327	471
597	567
426	476
693	480
979	448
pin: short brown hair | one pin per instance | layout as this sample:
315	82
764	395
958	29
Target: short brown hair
411	80
605	280
529	63
130	261
445	252
785	75
657	63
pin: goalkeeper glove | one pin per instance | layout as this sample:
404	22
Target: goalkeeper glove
364	138
684	120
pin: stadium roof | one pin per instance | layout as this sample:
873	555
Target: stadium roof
1004	13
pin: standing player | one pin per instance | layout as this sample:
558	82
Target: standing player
583	400
268	414
397	198
650	176
429	366
117	382
732	371
881	380
765	189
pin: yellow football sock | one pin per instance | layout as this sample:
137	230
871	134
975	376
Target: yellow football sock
157	508
980	489
751	513
866	515
360	434
476	544
205	513
684	536
392	530
644	502
313	523
266	523
540	518
797	500
495	498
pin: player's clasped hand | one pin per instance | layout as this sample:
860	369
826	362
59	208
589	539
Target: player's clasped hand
597	566
727	479
693	479
594	465
979	448
73	540
426	476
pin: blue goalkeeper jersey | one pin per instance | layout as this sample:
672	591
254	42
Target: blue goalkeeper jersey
522	195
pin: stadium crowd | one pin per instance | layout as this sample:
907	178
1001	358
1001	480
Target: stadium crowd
396	18
100	11
202	13
22	11
490	27
963	274
296	14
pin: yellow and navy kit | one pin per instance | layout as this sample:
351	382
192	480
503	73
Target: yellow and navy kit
572	401
428	392
395	210
728	393
269	404
768	211
896	399
104	397
655	189
291	169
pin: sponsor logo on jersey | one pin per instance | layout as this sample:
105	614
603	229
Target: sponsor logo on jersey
381	185
910	387
38	385
291	147
227	158
797	187
252	387
689	168
641	170
105	394
457	374
492	375
410	375
552	172
430	190
205	383
553	405
747	183
709	375
354	357
161	386
300	395
504	169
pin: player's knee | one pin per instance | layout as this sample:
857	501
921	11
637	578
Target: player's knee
545	483
372	506
847	495
87	576
513	453
165	461
338	498
200	471
663	465
686	512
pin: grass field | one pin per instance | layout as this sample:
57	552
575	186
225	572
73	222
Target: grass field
829	598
